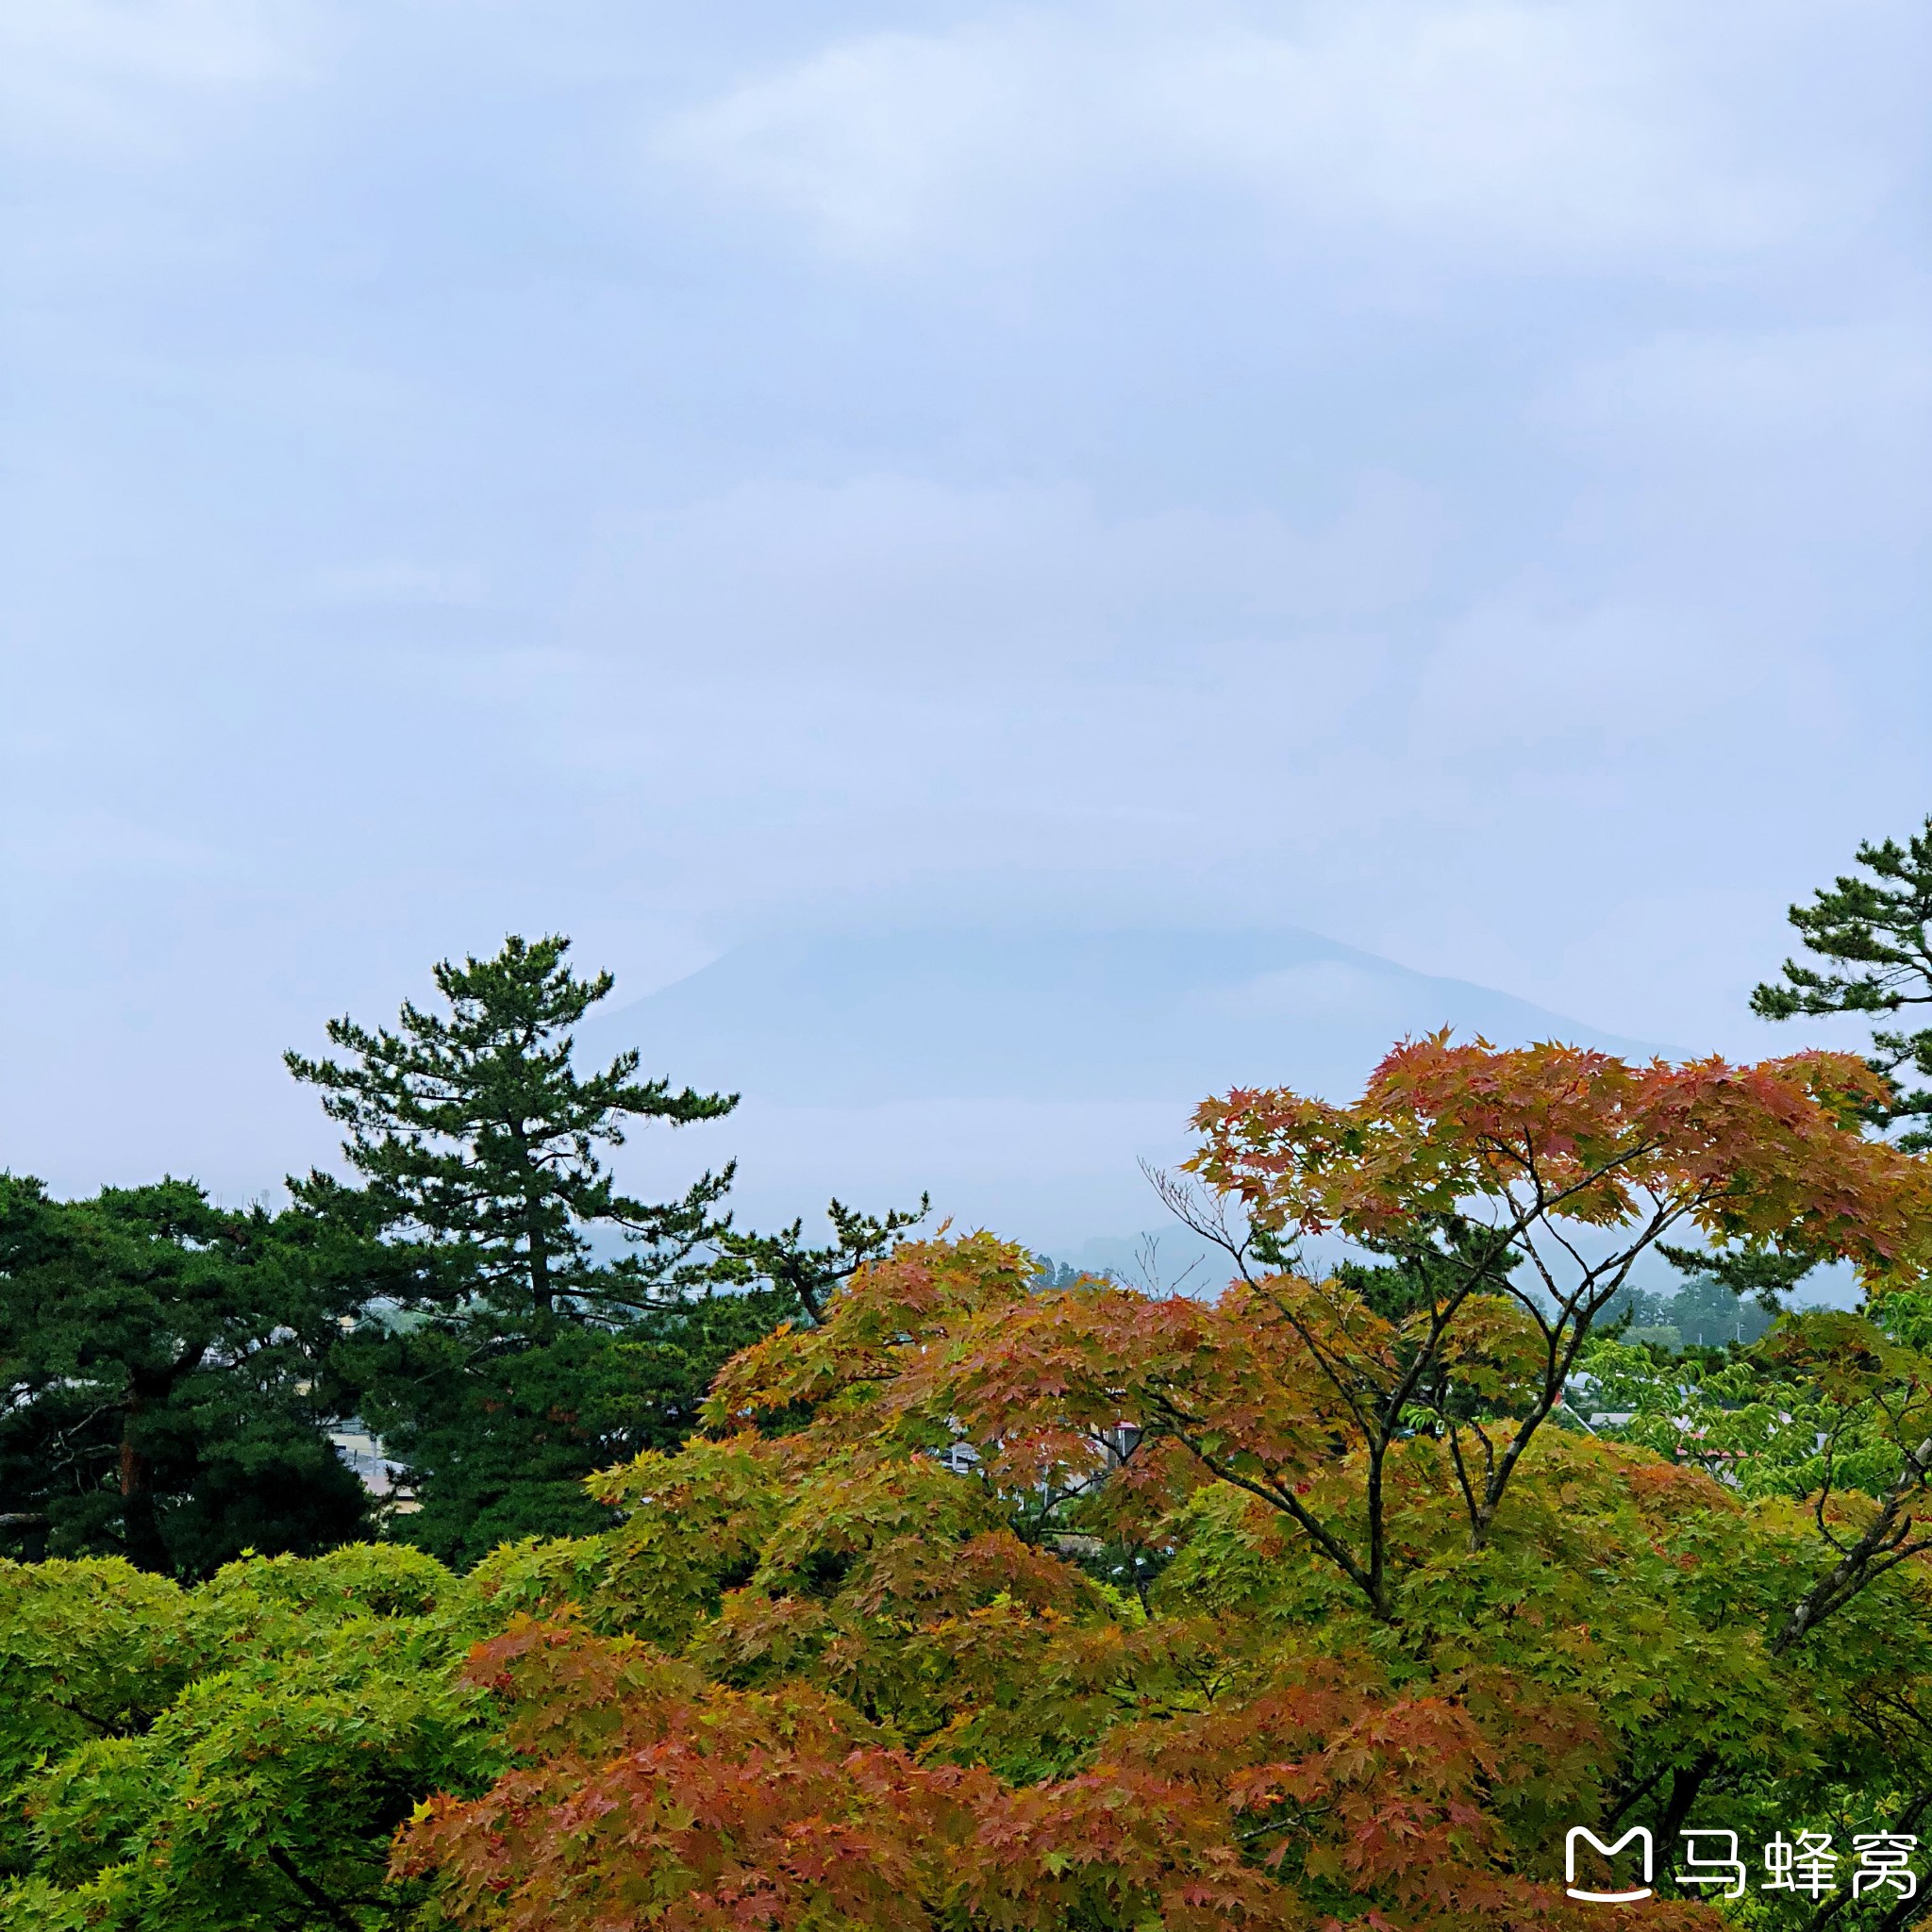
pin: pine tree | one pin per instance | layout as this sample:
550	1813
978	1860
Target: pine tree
1874	933
810	1277
526	1354
167	1367
475	1135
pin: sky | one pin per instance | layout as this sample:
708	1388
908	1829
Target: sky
1450	476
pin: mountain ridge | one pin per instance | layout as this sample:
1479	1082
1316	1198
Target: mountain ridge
931	1013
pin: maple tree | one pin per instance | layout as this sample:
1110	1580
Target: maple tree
987	1604
231	1755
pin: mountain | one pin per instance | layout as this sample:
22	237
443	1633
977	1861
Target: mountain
958	1015
1019	1075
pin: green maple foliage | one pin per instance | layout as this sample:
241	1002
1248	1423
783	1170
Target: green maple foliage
234	1755
1873	933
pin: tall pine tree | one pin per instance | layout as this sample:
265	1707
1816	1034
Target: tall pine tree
476	1134
536	1346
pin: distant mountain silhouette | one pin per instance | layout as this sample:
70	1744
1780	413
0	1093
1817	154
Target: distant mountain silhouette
840	1021
1021	1077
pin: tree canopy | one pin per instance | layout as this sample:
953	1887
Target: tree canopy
551	1324
169	1369
868	1653
474	1131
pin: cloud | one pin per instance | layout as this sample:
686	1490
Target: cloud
1455	480
403	585
1869	382
1571	130
950	661
921	582
1511	678
96	844
95	75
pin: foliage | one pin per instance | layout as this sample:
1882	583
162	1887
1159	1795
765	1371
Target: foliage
997	1598
1755	1421
168	1363
1051	1274
1764	1275
1873	933
235	1755
810	1277
857	1659
497	1443
1545	1142
520	1359
1701	1314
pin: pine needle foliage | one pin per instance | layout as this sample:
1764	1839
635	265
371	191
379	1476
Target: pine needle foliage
1872	933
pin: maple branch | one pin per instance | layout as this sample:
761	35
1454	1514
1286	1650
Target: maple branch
1902	1909
1563	1343
1210	1224
1636	1792
1549	1203
1684	1789
1320	1354
331	1909
1367	1581
1394	1401
1825	1487
1882	1547
1379	1421
1462	1472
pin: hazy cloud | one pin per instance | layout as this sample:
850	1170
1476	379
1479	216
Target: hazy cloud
1572	131
909	579
95	77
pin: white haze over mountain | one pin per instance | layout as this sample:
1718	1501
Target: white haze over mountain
1023	1077
1019	1075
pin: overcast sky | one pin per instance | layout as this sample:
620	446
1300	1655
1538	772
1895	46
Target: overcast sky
1450	475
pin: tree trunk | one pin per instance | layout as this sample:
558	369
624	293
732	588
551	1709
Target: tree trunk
140	1521
141	1528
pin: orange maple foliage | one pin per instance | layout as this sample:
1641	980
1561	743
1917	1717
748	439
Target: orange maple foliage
1739	1152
